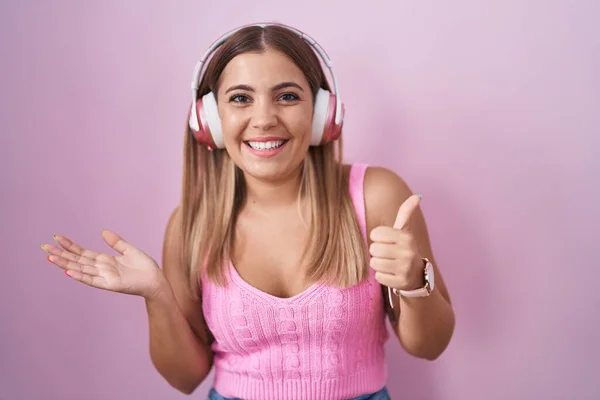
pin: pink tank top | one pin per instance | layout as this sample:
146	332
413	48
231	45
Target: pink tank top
322	343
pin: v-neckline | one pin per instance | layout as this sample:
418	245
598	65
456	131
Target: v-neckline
267	296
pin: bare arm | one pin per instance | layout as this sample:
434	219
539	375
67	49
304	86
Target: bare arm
178	338
424	326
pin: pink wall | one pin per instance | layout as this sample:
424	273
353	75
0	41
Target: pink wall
488	108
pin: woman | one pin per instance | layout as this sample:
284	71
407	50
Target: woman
280	260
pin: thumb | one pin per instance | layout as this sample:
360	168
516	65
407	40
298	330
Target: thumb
406	210
116	242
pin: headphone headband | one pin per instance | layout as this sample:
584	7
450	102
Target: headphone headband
199	70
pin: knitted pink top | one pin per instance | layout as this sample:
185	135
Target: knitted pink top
322	343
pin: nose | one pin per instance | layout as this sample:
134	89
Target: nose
264	116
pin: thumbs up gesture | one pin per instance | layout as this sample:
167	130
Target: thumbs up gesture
394	252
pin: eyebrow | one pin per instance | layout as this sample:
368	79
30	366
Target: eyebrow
276	87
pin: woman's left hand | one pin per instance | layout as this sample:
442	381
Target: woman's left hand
394	251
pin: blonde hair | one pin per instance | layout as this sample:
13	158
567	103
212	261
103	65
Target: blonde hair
213	187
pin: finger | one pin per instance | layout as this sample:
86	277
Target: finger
405	212
389	280
387	234
385	250
116	242
70	266
383	265
74	248
60	252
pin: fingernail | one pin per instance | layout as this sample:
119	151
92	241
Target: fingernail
67	273
55	238
44	248
49	258
420	196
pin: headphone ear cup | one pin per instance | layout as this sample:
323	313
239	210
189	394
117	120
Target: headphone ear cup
324	128
320	114
332	130
209	123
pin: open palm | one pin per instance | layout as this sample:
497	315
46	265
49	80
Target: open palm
130	272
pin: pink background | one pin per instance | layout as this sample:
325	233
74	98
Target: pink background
491	109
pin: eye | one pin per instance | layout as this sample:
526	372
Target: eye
239	98
289	97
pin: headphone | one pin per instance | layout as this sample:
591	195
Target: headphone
205	123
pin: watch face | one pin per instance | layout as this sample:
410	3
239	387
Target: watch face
430	276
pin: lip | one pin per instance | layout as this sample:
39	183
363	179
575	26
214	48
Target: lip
265	153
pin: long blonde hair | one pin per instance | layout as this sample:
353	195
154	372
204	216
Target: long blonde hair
213	187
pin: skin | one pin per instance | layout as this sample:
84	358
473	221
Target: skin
268	108
398	240
274	100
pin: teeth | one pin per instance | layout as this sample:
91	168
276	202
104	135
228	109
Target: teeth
266	145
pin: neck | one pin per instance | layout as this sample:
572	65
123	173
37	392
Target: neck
271	195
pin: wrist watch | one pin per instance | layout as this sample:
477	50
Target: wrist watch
426	289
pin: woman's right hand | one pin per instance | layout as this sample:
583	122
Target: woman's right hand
131	272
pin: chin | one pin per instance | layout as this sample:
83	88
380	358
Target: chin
269	172
269	164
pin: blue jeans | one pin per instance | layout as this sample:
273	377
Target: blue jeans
382	394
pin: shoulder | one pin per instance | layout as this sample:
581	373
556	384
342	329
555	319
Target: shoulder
384	192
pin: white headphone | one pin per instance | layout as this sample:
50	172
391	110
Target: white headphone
205	123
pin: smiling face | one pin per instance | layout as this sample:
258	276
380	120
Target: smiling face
266	106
